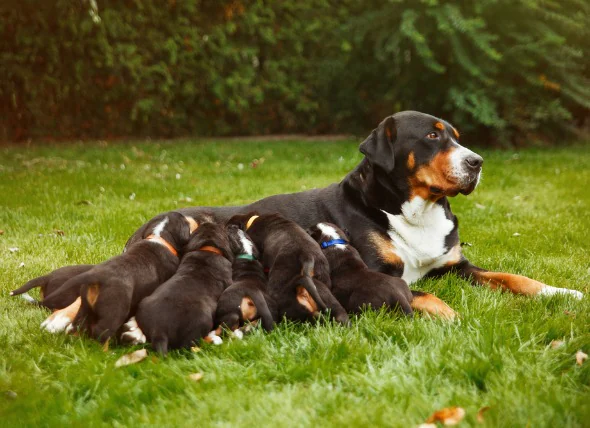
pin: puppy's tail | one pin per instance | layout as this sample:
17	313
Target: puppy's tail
71	286
160	344
33	283
308	284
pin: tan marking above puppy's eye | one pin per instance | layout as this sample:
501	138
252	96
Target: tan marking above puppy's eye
432	136
439	125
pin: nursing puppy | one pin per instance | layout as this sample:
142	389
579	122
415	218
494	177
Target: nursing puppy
182	310
50	283
247	299
299	274
111	291
353	284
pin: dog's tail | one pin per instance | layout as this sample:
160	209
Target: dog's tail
268	323
160	344
307	283
33	283
71	286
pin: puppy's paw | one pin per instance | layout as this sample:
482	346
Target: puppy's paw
213	338
132	334
548	290
57	322
238	334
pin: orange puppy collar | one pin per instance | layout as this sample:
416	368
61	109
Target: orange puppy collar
250	221
211	249
163	242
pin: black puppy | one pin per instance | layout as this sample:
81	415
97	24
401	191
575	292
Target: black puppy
299	274
353	284
247	299
182	310
51	282
111	291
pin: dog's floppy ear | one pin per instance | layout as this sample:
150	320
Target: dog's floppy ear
378	147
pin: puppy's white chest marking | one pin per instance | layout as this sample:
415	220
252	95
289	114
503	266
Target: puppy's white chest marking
418	237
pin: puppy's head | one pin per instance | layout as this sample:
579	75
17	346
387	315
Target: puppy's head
173	227
213	235
243	221
323	232
240	242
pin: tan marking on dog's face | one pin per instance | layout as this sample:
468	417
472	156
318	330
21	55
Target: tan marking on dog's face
385	249
306	301
439	125
436	173
455	255
192	223
411	161
506	281
92	294
434	306
248	309
456	133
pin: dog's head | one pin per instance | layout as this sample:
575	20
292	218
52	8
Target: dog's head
211	235
240	242
326	232
172	227
425	151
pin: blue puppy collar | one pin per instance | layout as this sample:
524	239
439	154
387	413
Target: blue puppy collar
327	244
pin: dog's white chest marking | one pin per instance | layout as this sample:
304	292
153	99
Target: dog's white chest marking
418	237
246	243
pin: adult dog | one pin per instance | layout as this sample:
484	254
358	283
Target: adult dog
395	206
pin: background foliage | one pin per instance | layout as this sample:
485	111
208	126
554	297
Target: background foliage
502	71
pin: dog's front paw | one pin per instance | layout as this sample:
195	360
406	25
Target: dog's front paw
548	290
213	338
132	334
57	322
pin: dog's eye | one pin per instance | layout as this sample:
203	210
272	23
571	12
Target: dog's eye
432	136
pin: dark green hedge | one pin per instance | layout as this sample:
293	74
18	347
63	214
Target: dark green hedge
500	70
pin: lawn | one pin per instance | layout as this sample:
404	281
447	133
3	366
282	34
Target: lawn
79	203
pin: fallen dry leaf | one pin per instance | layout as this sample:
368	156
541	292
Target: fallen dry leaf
132	358
480	206
427	426
556	344
59	232
480	413
13	249
581	357
448	416
84	202
1	232
195	349
195	376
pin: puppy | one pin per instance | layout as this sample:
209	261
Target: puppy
182	310
50	283
299	274
111	291
247	299
353	284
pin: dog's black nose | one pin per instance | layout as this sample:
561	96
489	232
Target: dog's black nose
474	161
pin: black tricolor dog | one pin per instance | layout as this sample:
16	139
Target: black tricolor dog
111	291
353	284
395	205
53	281
247	299
182	310
299	275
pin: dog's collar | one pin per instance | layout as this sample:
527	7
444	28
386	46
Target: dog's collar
250	221
245	256
163	242
211	249
327	244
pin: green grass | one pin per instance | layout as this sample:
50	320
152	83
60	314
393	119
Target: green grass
384	370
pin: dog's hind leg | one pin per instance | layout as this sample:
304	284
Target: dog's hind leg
61	319
336	310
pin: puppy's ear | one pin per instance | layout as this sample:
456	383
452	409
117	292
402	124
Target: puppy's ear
378	147
315	232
